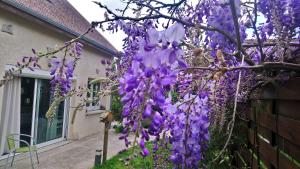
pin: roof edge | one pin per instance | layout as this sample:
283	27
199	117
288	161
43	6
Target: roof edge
60	26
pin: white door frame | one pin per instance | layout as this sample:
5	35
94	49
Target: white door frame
33	112
63	137
35	120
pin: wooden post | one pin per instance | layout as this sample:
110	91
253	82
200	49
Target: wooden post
105	141
106	119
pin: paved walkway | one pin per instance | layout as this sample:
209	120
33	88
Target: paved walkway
78	154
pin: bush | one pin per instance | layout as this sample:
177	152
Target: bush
118	128
116	106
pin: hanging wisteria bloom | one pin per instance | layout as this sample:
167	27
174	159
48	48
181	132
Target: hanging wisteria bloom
144	86
188	126
62	69
144	89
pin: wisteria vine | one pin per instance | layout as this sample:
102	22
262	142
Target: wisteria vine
204	51
215	30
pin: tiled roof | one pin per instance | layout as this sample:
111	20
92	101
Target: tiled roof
63	14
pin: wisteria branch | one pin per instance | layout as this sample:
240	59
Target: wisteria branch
159	15
40	55
261	67
253	21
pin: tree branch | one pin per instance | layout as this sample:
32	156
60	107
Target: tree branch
160	15
264	66
256	32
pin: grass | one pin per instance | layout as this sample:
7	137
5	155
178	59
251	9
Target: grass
118	161
215	145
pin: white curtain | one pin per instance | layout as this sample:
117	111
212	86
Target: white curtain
10	111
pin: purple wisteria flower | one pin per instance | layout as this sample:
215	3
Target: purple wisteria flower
145	85
188	125
62	70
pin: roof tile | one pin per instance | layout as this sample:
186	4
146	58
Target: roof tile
62	12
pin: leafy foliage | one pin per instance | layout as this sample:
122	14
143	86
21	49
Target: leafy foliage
214	147
116	106
118	128
121	161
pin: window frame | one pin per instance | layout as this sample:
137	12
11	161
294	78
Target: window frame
93	89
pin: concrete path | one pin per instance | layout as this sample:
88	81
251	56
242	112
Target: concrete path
78	154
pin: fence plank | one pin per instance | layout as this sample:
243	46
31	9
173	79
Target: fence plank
264	132
275	113
254	144
289	108
290	148
284	91
247	156
270	154
288	128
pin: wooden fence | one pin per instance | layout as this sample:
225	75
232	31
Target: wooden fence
272	129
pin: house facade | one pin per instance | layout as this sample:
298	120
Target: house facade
43	25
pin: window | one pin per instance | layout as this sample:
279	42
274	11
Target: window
7	28
93	103
35	101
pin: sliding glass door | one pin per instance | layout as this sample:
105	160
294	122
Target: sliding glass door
45	131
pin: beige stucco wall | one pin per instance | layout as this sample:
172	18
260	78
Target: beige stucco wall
28	35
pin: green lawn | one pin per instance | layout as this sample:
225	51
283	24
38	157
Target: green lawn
118	161
214	146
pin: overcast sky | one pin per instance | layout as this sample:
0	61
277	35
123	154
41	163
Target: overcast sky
92	12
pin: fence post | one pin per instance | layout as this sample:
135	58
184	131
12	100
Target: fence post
106	119
105	141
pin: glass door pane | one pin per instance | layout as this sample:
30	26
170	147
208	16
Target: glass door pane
47	130
27	100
